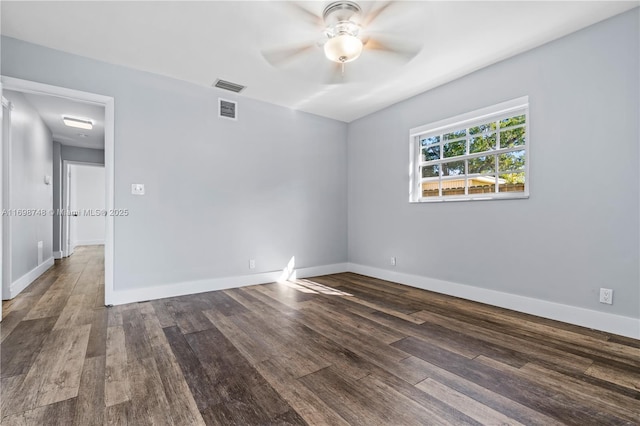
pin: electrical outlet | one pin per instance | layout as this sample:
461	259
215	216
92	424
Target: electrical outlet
393	261
606	296
137	188
252	264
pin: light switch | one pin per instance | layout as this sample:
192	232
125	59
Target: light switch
137	188
47	180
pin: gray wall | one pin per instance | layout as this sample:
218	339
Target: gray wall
82	155
269	186
579	229
70	153
31	161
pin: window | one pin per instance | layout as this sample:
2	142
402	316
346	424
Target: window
481	155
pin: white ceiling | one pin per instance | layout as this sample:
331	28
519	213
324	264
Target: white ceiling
51	110
202	41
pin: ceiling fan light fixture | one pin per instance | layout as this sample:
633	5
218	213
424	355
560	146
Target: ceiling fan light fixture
343	48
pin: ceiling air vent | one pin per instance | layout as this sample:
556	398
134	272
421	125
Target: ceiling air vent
227	109
227	85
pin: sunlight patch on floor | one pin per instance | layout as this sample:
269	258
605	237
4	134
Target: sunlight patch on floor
308	286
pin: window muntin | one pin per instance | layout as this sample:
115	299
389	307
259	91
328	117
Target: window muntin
480	155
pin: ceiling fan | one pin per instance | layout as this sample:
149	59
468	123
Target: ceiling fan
344	36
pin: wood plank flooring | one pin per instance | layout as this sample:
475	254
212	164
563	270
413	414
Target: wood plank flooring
333	350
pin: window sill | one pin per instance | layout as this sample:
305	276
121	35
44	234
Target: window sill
470	198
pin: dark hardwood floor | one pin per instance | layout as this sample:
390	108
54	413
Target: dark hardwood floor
332	350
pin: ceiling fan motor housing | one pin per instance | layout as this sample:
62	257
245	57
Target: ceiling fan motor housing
340	11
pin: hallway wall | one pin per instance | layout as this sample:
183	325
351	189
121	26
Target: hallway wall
30	161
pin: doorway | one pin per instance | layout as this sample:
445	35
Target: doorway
33	88
84	201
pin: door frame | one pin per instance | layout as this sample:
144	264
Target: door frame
108	102
5	234
6	204
65	229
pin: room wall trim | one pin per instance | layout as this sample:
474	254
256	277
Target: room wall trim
57	255
192	287
610	323
5	200
21	283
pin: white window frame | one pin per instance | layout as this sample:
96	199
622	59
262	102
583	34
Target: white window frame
519	106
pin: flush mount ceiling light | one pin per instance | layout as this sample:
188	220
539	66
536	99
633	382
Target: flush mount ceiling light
78	123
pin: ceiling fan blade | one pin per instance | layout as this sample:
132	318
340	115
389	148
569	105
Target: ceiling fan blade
280	57
306	14
372	15
404	49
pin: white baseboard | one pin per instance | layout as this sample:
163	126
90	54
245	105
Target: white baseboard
610	323
57	255
21	283
89	243
191	287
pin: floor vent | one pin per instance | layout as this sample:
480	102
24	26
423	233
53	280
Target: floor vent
227	85
227	109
